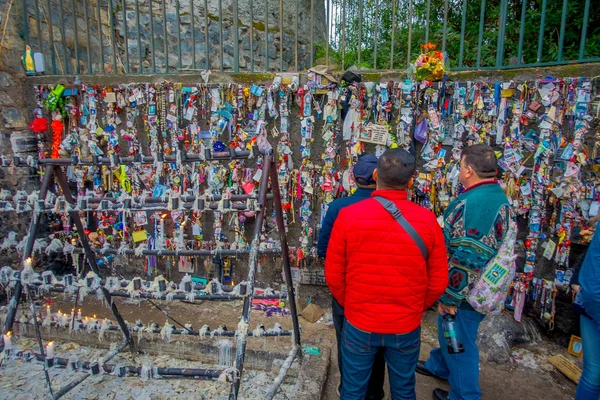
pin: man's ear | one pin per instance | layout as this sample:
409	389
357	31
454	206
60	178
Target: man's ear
375	174
411	183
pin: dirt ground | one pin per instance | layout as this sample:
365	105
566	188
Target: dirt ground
498	382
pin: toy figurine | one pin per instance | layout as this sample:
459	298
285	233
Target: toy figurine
28	61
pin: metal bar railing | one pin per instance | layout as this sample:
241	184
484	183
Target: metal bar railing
206	34
112	36
584	24
179	65
39	26
501	33
343	33
193	35
25	23
462	33
445	29
152	48
427	22
127	69
359	41
166	37
312	33
410	26
522	32
236	38
280	35
393	34
563	23
296	41
266	35
100	34
251	38
53	49
139	36
541	35
375	30
62	34
221	34
480	39
89	40
76	35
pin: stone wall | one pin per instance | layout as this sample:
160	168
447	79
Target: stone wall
184	19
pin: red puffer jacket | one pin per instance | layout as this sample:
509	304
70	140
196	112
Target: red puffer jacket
376	271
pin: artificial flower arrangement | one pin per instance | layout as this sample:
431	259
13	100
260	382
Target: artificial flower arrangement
429	65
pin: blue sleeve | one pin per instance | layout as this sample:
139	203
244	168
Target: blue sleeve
589	278
325	232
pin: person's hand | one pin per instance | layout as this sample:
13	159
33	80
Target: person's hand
575	288
444	309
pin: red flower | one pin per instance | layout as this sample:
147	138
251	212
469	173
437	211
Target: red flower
39	125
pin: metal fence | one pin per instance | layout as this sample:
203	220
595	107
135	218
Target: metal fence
186	36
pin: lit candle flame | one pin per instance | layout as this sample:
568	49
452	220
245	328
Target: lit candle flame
8	333
28	260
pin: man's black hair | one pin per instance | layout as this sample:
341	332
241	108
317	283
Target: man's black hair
482	159
395	168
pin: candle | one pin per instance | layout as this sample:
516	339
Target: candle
50	350
7	341
79	314
48	311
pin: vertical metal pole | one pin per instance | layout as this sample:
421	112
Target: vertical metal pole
112	35
179	66
39	26
501	34
296	45
343	33
34	225
139	36
101	55
563	23
522	32
266	35
125	35
76	36
91	257
281	35
51	39
312	33
25	23
87	30
445	29
251	32
284	249
359	41
375	34
427	21
206	34
462	33
166	37
152	34
39	339
328	16
541	35
480	40
62	34
193	35
221	33
410	24
586	15
252	262
393	34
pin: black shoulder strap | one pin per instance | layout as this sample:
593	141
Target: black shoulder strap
397	214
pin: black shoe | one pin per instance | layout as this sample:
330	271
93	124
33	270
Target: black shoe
421	369
439	394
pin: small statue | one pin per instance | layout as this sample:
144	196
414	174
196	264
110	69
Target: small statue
28	61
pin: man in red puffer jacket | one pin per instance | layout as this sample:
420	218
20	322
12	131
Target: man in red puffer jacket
385	278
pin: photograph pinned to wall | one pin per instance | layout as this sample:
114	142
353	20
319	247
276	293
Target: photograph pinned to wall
373	133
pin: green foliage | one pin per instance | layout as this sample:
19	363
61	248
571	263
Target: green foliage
376	21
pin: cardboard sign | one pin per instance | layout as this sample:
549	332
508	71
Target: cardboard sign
373	133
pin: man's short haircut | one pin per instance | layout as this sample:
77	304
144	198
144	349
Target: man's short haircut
482	159
395	168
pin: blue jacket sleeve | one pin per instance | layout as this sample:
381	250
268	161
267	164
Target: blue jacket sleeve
589	278
325	232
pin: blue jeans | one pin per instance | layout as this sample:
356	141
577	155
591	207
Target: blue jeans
461	370
359	349
589	384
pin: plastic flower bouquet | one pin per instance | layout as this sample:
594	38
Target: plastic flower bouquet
429	65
